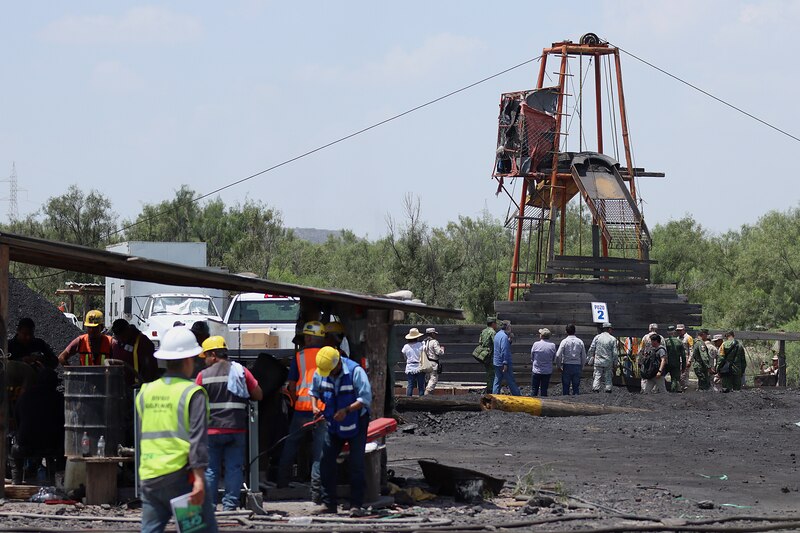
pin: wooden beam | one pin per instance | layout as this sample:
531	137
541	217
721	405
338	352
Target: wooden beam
4	412
76	258
378	330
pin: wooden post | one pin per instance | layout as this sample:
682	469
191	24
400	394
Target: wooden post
781	363
4	348
377	358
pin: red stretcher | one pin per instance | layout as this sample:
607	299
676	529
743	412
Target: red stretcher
378	428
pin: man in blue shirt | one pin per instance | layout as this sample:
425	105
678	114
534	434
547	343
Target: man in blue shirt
344	388
502	361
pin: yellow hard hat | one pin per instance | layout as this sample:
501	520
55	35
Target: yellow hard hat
314	328
93	318
334	327
214	343
327	359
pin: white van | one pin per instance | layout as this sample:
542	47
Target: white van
257	311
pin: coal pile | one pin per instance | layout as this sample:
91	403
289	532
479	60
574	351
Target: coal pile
51	324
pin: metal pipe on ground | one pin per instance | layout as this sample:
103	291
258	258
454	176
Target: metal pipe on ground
547	407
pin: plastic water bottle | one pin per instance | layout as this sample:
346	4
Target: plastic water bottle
101	447
86	444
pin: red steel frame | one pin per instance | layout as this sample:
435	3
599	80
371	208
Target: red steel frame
559	181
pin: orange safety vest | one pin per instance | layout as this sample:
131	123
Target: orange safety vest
87	357
307	365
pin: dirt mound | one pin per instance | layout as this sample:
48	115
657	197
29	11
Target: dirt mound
51	324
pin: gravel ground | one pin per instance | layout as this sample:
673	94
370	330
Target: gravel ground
693	456
663	461
51	324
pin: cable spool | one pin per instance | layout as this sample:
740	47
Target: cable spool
590	39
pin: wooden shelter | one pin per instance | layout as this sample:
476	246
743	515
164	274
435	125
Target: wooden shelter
367	317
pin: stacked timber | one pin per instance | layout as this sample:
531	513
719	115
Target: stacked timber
631	306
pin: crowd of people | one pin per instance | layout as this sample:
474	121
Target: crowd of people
718	362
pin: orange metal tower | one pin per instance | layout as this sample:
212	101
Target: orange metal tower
531	152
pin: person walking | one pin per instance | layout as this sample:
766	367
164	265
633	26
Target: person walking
676	359
173	436
412	351
701	361
93	347
503	364
731	363
433	350
657	351
603	352
229	386
688	343
646	343
301	374
571	358
543	355
343	386
484	352
713	351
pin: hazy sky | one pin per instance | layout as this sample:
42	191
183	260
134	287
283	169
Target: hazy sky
135	99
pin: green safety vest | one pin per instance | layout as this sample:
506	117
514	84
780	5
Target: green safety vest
163	408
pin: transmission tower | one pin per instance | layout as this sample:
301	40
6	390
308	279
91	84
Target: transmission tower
13	210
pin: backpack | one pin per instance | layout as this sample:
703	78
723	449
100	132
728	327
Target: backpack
649	364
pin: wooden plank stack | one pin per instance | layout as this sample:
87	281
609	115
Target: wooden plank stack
632	306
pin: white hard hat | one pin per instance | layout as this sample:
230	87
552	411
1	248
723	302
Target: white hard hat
178	343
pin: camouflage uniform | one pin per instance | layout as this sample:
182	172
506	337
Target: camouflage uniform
645	344
713	354
486	346
676	360
732	351
701	363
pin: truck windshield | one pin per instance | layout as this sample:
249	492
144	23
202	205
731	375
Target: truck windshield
183	305
264	312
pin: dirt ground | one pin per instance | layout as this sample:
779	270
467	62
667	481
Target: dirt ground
736	453
737	450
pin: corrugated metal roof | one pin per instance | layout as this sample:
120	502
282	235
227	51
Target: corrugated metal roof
76	258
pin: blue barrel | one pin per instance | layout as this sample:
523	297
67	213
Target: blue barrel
95	402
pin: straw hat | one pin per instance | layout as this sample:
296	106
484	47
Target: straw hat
413	333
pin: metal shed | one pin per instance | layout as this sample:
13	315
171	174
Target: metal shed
375	312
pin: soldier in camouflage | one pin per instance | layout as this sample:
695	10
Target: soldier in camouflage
676	359
484	352
701	361
731	363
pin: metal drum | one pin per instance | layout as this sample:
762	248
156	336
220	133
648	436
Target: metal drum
95	400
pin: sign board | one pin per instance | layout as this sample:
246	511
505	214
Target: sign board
600	312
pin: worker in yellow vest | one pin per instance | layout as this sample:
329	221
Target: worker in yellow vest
301	376
173	438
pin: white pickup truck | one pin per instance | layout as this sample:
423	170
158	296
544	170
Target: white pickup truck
257	311
161	311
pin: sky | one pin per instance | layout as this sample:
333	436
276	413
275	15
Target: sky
136	99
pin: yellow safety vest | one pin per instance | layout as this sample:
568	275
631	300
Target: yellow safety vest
163	408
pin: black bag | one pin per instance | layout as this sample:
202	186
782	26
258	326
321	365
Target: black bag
725	369
649	364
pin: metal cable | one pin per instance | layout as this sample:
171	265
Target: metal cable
717	98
